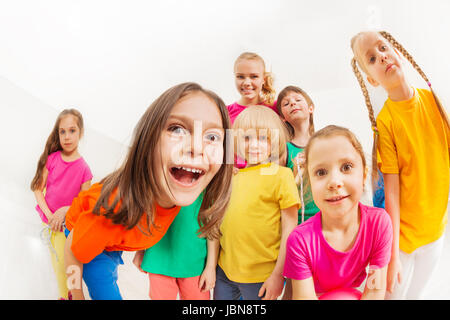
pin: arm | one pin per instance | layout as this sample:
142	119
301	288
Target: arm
39	195
74	270
392	203
303	289
138	258
375	288
60	214
273	286
208	277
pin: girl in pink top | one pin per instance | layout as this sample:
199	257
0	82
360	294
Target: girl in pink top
253	83
332	249
63	173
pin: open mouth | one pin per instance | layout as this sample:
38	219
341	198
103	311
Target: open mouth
185	175
389	67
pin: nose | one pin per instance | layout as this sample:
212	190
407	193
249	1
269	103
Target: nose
194	147
335	181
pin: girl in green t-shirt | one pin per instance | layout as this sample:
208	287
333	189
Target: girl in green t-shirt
296	109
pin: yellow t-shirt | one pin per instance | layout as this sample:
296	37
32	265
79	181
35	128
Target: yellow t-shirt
251	229
414	143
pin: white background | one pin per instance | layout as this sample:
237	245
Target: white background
111	59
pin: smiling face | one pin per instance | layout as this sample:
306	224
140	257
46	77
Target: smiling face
249	79
337	173
379	60
69	134
295	107
190	150
254	146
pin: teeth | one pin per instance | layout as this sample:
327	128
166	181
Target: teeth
190	169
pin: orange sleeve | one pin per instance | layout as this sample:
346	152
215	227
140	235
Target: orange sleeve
91	233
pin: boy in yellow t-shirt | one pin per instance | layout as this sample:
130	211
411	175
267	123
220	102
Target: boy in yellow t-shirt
261	213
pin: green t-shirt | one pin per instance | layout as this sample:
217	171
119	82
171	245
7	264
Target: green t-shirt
180	253
310	207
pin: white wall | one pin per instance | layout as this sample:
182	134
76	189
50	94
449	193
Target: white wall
111	59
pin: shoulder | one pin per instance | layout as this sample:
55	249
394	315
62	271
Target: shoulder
375	216
304	233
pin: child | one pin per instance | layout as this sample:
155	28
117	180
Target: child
296	109
411	132
63	173
332	249
253	83
178	263
261	213
176	153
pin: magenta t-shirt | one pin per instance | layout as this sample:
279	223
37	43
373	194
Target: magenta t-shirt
235	109
63	182
308	254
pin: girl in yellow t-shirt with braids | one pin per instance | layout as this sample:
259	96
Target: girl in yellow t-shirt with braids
261	213
411	135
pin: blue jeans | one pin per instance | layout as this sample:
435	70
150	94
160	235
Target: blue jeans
226	289
100	275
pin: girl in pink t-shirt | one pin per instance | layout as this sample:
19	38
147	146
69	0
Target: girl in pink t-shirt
253	83
332	249
63	173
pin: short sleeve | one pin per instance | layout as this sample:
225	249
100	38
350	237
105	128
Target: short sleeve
288	191
296	265
381	254
50	164
87	174
387	151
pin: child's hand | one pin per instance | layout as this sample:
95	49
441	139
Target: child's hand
137	260
272	287
207	279
394	274
57	220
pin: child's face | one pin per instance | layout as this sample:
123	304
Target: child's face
295	107
191	150
254	146
249	77
336	174
69	133
381	62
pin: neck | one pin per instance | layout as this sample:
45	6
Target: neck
341	223
70	156
401	92
249	102
301	132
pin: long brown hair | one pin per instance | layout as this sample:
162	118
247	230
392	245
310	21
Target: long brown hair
135	181
357	61
283	93
268	90
53	144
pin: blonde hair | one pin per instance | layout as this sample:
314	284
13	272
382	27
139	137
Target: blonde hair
268	92
53	144
260	118
356	61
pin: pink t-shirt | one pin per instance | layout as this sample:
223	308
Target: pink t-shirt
63	182
308	254
235	109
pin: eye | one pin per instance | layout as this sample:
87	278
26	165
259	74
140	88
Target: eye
263	138
383	48
372	59
320	172
177	130
254	76
213	137
346	167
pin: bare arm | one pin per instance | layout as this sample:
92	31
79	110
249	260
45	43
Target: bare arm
208	277
392	203
39	195
273	286
74	270
303	289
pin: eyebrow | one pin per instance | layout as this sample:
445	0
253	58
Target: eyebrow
189	120
342	160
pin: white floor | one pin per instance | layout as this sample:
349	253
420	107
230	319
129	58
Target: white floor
26	273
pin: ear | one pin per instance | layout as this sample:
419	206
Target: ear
372	81
366	172
311	108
